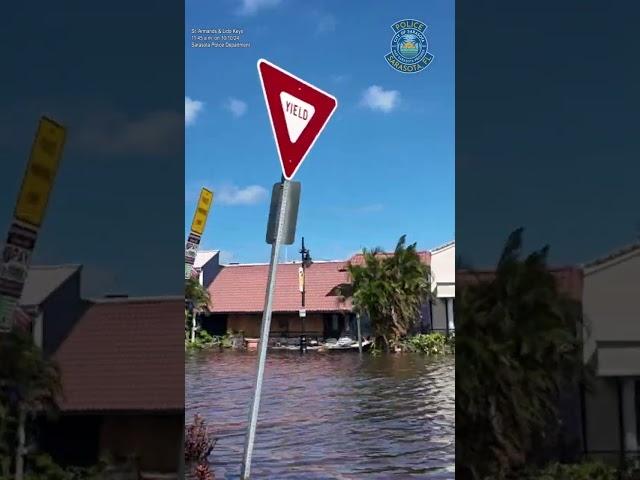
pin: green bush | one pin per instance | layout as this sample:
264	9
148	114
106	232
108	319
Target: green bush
205	340
451	342
578	471
429	343
42	467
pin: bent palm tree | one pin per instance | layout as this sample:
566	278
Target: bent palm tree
390	290
516	338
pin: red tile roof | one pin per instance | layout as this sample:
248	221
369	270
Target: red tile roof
241	288
125	355
358	258
568	279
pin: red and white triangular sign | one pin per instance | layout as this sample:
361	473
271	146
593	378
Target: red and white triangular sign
298	112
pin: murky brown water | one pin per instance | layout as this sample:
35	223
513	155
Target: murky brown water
329	415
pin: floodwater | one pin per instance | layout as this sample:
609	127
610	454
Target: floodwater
328	415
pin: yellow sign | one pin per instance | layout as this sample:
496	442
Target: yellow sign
41	172
202	211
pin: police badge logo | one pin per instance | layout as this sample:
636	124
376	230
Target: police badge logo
409	47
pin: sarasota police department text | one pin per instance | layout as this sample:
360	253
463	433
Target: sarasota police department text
218	38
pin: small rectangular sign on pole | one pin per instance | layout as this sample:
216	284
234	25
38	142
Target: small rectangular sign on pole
301	279
202	211
197	229
31	206
291	213
41	172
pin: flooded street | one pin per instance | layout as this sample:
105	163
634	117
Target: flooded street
328	415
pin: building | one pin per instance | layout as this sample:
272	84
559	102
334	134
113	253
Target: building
238	292
122	371
611	305
207	265
443	286
51	297
123	385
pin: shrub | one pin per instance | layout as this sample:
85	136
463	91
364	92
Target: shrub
203	472
579	471
205	340
430	344
199	441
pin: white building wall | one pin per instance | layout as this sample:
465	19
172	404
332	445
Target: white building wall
611	302
611	310
443	271
443	285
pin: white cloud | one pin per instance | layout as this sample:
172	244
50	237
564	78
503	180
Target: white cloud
237	107
377	98
372	208
250	7
340	78
118	134
191	110
99	129
326	23
232	195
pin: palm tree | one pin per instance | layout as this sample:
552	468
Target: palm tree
517	341
389	289
197	301
30	384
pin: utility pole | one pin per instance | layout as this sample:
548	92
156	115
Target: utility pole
306	262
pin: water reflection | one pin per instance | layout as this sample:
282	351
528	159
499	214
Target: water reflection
329	416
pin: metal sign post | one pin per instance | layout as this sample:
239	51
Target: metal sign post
31	207
264	333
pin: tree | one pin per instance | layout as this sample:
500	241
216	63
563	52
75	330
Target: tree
197	300
390	290
517	340
30	384
196	295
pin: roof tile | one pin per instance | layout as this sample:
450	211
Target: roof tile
241	288
124	356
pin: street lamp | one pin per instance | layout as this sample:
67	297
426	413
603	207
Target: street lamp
306	261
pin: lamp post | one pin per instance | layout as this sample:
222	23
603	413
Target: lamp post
306	262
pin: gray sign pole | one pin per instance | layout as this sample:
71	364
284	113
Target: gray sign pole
264	333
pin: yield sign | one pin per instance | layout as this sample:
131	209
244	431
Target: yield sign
298	112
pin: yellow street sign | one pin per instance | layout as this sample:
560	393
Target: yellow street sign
202	211
41	172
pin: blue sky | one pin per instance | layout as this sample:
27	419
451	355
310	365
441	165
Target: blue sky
119	185
384	165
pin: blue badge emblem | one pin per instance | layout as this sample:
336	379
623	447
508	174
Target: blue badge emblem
409	47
